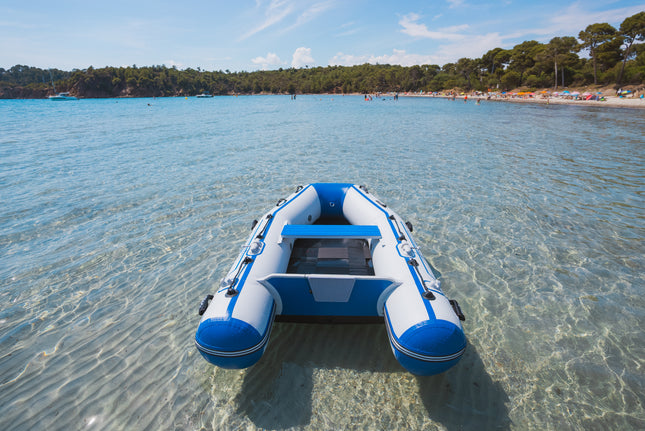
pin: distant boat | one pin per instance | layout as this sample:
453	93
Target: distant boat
62	96
59	96
205	94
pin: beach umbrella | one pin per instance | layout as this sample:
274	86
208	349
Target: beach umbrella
566	92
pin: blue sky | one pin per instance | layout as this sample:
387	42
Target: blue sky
269	34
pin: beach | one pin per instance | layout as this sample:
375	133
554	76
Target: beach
610	102
605	98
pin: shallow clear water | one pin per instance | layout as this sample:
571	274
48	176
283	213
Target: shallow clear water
119	216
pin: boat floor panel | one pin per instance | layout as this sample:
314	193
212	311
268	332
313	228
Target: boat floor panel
331	256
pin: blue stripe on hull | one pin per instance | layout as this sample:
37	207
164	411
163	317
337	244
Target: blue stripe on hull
423	368
240	284
413	273
232	362
231	343
428	348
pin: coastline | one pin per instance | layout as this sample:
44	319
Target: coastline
609	102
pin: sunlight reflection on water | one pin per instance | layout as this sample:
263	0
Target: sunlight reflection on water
119	217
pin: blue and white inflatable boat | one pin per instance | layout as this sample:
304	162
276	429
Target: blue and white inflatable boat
332	252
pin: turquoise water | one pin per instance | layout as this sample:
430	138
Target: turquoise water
119	216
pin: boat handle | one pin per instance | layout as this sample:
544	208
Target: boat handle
204	305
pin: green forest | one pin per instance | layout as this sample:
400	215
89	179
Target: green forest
599	55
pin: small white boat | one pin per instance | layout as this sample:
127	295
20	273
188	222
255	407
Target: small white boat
62	96
204	95
332	251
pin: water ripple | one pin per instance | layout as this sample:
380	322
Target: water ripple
120	215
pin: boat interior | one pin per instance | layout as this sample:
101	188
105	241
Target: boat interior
348	256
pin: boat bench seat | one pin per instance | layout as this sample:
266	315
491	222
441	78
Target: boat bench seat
330	231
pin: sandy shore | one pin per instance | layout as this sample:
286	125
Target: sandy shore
610	101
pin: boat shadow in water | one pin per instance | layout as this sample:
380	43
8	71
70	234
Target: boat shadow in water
278	392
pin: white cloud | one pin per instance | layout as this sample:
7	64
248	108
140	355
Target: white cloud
398	56
310	13
173	63
347	29
455	41
448	53
476	47
577	17
278	11
413	28
401	57
341	59
455	3
302	57
275	12
348	32
455	29
271	59
570	21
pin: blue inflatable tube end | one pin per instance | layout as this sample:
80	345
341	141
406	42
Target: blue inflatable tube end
429	348
230	343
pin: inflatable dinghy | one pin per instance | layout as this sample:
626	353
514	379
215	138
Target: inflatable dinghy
332	252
